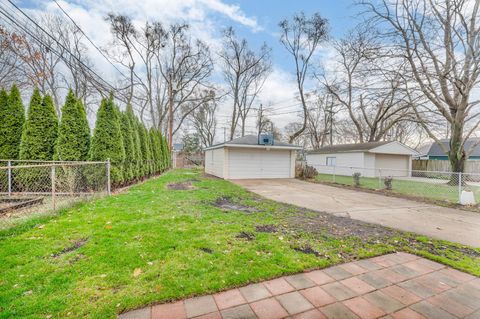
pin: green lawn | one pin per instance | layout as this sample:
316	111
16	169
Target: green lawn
442	192
153	244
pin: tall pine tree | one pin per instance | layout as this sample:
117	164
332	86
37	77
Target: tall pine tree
107	140
40	130
12	117
73	140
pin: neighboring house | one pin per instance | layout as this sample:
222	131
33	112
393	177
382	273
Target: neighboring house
435	152
369	159
249	157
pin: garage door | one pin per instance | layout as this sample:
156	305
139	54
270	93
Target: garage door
252	163
393	165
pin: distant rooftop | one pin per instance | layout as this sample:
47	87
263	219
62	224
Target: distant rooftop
252	140
349	147
436	150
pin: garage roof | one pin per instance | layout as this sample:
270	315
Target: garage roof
386	147
251	141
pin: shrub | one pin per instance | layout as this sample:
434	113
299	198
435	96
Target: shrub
137	152
388	180
107	141
73	140
12	117
40	130
145	149
128	143
356	179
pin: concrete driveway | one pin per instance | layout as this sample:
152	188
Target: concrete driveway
434	221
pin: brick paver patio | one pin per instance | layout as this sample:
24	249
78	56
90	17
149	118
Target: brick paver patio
395	286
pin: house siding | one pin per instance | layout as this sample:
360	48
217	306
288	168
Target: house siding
214	162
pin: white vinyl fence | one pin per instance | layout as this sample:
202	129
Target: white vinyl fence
33	188
444	186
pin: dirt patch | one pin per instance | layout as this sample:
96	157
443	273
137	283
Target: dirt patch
308	250
266	229
245	235
206	250
181	186
227	204
323	224
338	226
76	245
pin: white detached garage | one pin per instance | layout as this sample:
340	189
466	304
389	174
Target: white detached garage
246	158
369	159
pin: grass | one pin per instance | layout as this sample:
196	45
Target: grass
153	244
437	192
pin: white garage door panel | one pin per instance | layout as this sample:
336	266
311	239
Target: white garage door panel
251	163
393	165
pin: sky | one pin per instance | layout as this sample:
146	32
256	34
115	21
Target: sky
257	21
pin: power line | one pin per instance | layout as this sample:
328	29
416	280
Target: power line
7	14
89	40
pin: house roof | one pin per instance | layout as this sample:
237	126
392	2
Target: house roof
386	147
340	148
252	142
436	150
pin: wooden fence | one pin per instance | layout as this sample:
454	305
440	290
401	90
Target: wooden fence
472	166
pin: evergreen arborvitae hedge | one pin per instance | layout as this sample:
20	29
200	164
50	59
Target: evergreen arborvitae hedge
155	148
12	119
145	149
73	140
107	140
137	151
166	153
128	143
40	130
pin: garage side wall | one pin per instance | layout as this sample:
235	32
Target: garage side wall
214	162
344	163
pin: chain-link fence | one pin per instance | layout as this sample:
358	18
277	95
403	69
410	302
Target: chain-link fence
33	188
452	187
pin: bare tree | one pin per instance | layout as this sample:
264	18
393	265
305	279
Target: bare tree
302	37
320	128
10	63
440	40
158	58
369	85
205	122
245	73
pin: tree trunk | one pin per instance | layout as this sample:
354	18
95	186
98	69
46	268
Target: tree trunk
456	155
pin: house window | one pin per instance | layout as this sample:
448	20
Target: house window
331	161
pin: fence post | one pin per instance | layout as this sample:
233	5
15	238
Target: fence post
9	172
334	179
53	186
108	176
379	178
459	187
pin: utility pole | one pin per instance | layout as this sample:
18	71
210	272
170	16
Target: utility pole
170	111
260	115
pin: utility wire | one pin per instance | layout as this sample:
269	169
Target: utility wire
7	14
89	40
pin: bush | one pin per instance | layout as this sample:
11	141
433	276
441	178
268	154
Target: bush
137	152
40	130
388	180
12	117
356	179
73	140
127	133
107	141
